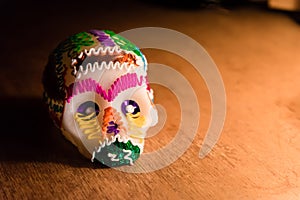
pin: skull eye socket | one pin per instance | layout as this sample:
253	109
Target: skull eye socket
88	109
130	107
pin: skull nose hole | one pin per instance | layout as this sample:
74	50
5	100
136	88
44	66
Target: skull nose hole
113	128
112	122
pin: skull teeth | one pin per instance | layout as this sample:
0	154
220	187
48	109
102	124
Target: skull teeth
106	142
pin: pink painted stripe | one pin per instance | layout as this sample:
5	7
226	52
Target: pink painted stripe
122	83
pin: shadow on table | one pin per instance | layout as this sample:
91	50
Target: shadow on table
28	135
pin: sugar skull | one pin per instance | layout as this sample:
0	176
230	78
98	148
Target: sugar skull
96	90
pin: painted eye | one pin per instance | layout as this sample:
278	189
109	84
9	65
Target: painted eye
88	109
130	106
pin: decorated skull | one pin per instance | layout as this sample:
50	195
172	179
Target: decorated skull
96	90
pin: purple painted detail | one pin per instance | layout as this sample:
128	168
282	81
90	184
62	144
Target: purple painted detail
122	83
113	128
103	38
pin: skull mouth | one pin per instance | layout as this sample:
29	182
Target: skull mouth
116	152
116	147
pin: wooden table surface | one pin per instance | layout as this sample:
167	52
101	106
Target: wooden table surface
257	53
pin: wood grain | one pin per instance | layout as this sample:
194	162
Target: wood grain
257	156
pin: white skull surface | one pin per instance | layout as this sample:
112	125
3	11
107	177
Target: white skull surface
97	93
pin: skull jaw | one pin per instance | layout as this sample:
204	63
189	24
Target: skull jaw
114	152
117	152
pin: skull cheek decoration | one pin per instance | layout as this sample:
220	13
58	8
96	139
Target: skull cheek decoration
96	89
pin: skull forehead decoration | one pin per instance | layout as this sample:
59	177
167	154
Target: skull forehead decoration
97	93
